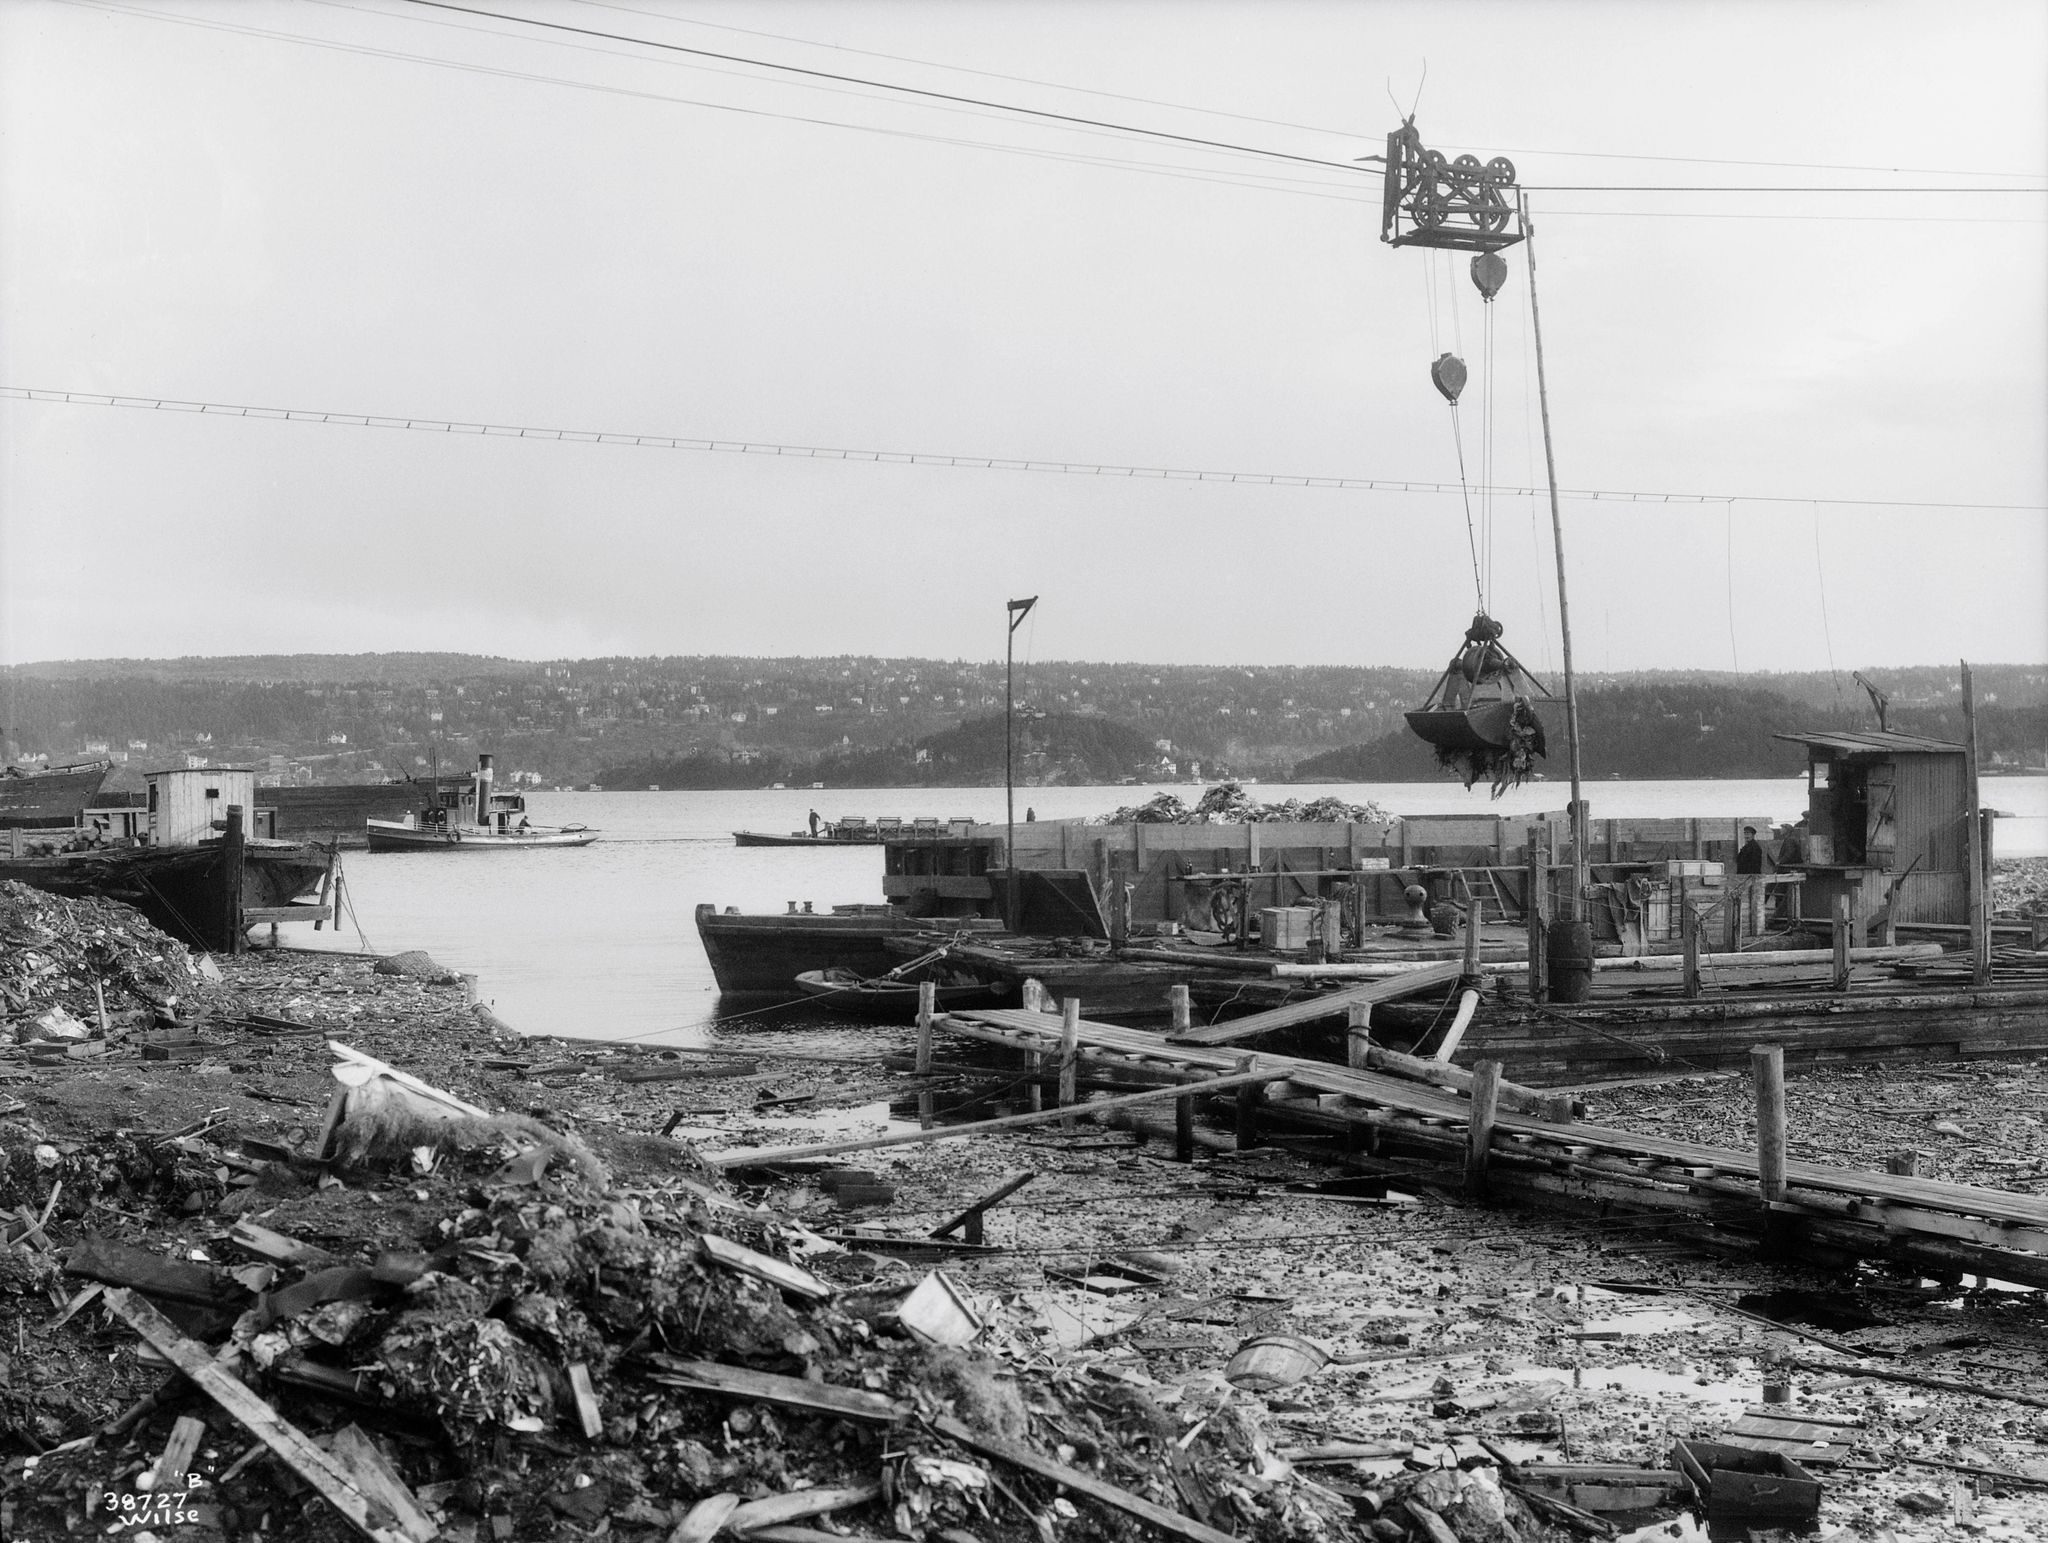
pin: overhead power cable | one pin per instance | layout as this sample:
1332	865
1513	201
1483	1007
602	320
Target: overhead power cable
929	458
1076	119
1288	123
882	85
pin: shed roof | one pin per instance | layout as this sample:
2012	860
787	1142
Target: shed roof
1874	742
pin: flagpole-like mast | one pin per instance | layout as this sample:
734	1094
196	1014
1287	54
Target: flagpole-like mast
1018	610
1580	834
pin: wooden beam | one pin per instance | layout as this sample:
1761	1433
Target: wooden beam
971	1218
760	1156
334	1483
1408	983
1081	1483
743	1383
1556	1108
1479	1131
1767	1062
1979	889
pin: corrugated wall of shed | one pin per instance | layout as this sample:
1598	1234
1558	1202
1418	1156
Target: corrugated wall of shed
1931	812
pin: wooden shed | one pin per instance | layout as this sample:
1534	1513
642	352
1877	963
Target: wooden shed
190	805
1888	817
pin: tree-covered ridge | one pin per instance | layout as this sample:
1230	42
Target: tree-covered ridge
337	718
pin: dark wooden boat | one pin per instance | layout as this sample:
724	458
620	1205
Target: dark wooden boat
182	890
796	838
873	996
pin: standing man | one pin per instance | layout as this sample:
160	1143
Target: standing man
1749	883
814	823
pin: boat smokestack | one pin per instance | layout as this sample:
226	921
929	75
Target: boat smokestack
483	790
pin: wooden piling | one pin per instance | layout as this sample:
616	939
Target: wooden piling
1070	1049
1249	1098
1841	942
1533	919
1182	1011
1479	1131
1357	1034
1979	877
1473	912
927	1008
234	851
1689	932
1183	1130
1767	1065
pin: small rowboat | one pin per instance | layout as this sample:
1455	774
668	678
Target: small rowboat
845	991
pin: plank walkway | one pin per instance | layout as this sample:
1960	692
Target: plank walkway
1414	983
1892	1205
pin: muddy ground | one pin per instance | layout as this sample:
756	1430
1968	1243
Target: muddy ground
1120	1285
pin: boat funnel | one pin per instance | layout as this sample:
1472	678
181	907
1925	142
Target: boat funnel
483	790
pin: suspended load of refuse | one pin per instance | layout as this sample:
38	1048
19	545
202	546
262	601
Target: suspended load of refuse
1481	717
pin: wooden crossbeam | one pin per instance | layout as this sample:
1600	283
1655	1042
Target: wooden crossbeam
1333	1004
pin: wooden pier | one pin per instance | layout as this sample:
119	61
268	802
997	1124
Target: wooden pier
1750	1198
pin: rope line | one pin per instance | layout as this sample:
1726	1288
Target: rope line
928	458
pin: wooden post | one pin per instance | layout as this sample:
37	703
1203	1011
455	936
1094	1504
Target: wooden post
1249	1097
234	849
1033	996
1178	1006
1183	1130
1333	927
927	1006
1689	932
1767	1065
1034	1068
1472	925
1357	1034
1533	918
1070	1050
1119	917
1479	1133
1979	889
1841	941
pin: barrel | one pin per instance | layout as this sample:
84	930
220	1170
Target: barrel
1570	959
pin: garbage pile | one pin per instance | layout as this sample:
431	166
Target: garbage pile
2019	886
1228	804
54	950
462	1318
1505	766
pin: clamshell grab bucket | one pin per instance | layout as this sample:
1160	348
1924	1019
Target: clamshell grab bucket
1481	727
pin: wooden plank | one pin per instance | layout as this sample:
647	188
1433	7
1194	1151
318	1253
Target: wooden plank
589	1413
1332	1004
780	1510
259	1240
1079	1482
335	1484
175	1461
360	1458
759	1156
747	1261
706	1519
117	1264
768	1388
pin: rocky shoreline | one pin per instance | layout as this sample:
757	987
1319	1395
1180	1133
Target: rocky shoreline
448	1285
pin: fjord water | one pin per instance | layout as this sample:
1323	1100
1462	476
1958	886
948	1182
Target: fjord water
598	942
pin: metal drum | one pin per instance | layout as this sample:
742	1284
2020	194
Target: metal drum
1570	957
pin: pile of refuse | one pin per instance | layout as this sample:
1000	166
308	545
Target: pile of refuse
1227	803
80	955
428	1320
2019	886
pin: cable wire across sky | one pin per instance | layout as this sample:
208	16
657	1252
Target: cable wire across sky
631	440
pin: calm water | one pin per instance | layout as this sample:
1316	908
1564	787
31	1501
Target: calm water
598	941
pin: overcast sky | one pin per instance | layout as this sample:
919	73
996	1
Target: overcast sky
385	208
